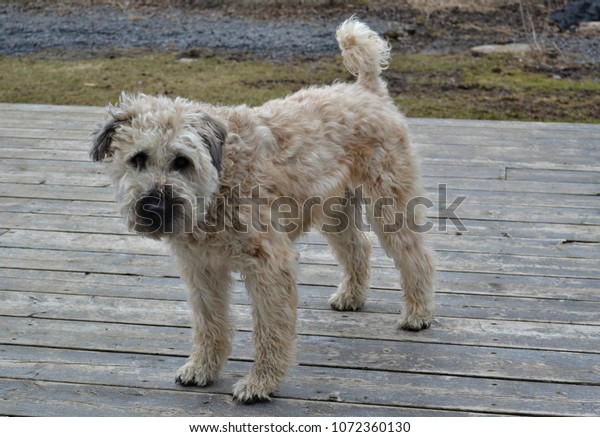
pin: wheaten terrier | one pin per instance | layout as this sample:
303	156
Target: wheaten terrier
230	188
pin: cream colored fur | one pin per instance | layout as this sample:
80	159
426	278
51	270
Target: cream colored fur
319	142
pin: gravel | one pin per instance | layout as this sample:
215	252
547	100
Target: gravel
102	30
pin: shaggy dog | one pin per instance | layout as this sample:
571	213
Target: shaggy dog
230	188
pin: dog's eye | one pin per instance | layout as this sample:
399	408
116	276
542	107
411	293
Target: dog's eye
138	161
180	163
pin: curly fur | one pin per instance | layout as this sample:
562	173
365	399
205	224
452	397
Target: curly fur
320	142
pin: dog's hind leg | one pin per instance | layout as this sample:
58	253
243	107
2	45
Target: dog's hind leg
396	218
352	248
270	278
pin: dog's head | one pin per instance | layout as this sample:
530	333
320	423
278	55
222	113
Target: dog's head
164	157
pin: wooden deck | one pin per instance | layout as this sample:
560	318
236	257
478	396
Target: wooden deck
94	320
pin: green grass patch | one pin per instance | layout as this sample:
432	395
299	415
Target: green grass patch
98	81
448	86
498	87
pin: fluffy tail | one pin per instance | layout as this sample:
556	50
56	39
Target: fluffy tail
365	54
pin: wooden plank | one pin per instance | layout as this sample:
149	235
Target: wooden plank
464	170
506	139
65	131
159	265
41	398
450	303
82	122
60	207
565	232
457	394
429	158
492	127
77	146
480	262
524	214
445	126
309	243
87	168
19	149
8	134
56	109
132	244
477	296
350	353
589	189
512	156
474	282
473	196
548	175
54	178
426	124
475	228
362	324
15	165
446	242
102	206
103	193
488	284
66	258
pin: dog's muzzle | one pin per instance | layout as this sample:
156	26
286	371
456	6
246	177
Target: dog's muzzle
155	212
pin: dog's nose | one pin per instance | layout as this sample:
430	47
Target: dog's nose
152	212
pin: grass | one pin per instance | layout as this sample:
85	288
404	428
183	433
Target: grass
500	87
97	81
448	86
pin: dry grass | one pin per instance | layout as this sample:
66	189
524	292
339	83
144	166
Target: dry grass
448	86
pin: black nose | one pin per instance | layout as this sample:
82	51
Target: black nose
153	212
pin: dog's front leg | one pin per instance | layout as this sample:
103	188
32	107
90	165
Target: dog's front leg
208	296
271	284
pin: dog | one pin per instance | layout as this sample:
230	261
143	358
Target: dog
206	179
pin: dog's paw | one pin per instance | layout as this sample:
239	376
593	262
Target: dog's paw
188	375
342	300
247	391
413	322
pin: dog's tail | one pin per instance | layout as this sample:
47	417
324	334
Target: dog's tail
365	53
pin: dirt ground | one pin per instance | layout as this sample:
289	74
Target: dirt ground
301	31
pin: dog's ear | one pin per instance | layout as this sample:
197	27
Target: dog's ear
214	133
103	137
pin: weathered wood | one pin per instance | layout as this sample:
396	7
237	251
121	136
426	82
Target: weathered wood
322	261
529	174
352	353
51	178
450	303
363	324
31	398
451	393
494	128
311	246
95	321
488	284
467	211
18	148
40	164
478	228
552	187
